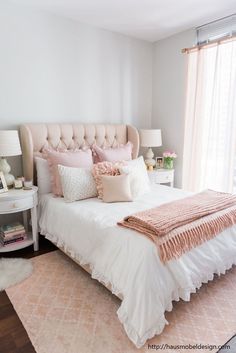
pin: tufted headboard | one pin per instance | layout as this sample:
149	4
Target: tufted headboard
36	137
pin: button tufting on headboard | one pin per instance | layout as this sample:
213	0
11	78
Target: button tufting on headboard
36	137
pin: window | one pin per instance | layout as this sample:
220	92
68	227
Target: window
226	27
210	120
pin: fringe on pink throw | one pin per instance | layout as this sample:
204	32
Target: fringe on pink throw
181	225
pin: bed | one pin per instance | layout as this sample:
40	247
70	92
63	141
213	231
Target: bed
126	262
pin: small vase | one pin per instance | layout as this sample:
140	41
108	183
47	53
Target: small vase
168	163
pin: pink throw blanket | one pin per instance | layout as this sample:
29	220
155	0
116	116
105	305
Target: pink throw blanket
181	225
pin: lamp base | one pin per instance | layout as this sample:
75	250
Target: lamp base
149	161
5	168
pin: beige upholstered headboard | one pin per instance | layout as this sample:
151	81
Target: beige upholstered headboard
36	137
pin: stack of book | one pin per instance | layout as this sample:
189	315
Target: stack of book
12	233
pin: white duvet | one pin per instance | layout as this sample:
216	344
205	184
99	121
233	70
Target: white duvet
129	261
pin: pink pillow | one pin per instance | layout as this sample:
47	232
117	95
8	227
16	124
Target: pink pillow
77	159
105	168
122	153
116	188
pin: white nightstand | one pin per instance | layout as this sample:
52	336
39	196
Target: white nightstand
162	176
20	201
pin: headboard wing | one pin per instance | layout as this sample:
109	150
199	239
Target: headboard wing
36	137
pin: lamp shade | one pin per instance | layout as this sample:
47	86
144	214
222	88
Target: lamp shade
9	143
150	138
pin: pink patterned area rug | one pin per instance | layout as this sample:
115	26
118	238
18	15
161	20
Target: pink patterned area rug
64	311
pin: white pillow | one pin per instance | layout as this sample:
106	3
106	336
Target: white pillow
43	176
139	180
77	183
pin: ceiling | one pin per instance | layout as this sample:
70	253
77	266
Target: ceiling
145	19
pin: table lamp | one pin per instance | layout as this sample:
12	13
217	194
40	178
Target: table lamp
9	146
150	138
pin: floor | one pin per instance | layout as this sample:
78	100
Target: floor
13	337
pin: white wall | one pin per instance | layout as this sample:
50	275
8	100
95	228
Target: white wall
57	70
169	78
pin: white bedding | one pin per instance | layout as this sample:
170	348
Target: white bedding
129	261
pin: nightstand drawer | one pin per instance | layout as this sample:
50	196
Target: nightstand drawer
16	205
164	177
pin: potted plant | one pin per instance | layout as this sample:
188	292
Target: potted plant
169	157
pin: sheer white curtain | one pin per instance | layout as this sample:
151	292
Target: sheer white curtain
210	118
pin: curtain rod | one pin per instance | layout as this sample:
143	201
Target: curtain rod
215	21
213	42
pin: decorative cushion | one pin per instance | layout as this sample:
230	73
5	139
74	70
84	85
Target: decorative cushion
122	153
139	180
104	168
43	176
116	188
77	183
78	158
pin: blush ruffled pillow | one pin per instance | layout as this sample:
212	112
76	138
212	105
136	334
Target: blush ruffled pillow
78	158
104	168
122	153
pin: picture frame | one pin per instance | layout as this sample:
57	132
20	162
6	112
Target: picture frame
159	162
3	184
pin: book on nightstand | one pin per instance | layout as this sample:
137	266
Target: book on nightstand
12	233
